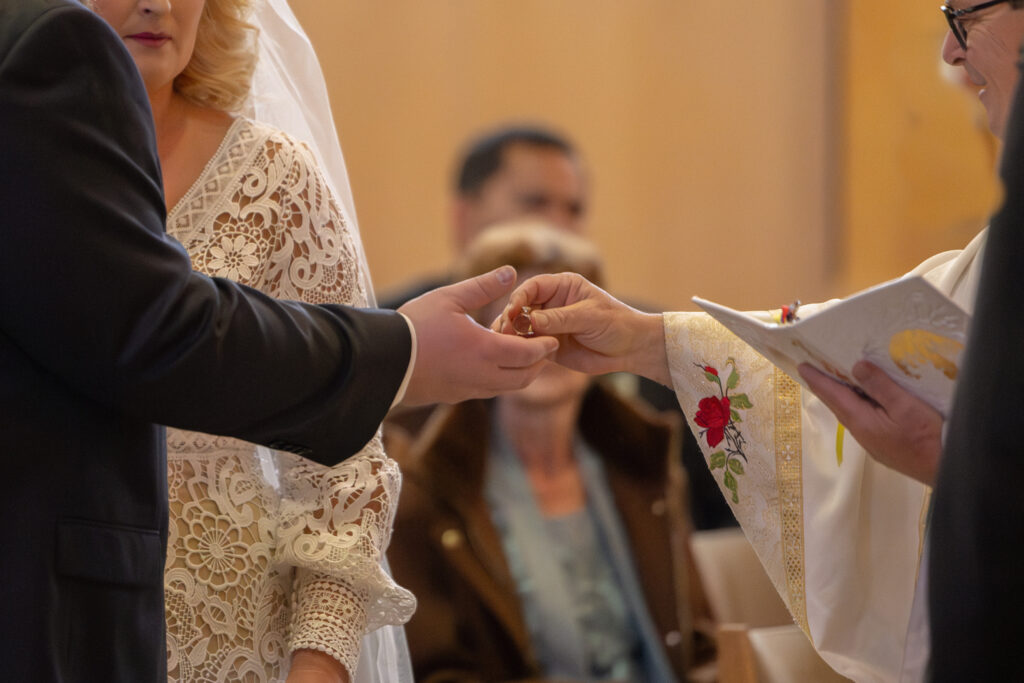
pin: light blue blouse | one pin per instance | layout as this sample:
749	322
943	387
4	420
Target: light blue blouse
581	598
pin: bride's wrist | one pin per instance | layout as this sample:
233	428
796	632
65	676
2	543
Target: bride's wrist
650	359
313	666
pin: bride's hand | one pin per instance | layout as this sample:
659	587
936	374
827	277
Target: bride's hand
313	666
597	332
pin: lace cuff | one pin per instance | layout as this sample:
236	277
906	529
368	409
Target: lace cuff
337	522
328	615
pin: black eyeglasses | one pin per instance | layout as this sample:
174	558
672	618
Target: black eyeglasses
957	26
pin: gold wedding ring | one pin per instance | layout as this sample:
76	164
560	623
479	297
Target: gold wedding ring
522	323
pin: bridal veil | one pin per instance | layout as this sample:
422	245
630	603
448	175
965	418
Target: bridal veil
289	92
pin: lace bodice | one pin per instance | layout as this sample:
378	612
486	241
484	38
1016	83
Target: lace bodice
267	552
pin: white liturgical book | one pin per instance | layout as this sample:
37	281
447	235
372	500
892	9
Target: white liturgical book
906	327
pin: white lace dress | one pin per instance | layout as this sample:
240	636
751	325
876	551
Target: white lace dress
267	552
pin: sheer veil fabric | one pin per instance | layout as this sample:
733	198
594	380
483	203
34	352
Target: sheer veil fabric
289	93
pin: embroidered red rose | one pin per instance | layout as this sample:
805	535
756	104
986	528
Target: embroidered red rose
719	418
713	415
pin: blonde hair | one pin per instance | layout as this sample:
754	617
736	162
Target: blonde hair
219	75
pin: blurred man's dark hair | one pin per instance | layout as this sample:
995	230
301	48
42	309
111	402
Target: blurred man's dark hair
482	158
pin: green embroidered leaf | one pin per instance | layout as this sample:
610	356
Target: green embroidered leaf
717	459
740	401
734	379
736	465
730	481
713	378
735	498
735	416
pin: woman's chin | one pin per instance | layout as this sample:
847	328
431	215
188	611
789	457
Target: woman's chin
552	389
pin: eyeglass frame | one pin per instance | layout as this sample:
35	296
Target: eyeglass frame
953	18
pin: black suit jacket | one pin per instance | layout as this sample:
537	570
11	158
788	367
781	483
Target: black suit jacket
976	589
105	332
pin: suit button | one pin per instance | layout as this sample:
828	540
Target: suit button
658	507
673	638
451	539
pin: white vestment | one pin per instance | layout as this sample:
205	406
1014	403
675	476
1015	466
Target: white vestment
841	542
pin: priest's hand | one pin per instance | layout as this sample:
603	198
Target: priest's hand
895	427
458	359
597	332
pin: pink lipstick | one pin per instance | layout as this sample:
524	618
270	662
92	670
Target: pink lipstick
150	39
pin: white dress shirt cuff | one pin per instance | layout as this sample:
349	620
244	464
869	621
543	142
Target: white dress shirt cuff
412	363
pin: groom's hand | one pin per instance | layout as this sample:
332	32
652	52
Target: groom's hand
598	333
458	359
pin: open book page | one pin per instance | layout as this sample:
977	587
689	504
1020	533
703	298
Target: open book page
906	327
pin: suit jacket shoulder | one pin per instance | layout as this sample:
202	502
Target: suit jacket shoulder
96	293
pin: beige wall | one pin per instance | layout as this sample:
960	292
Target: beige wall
746	152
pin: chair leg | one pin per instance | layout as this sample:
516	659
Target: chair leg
735	655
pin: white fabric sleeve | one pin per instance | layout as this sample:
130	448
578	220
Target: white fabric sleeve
412	363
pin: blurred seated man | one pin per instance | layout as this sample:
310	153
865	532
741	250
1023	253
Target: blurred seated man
544	533
508	173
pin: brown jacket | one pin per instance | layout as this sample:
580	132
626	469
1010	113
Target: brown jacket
469	625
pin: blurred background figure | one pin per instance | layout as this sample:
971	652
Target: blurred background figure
517	171
509	172
545	533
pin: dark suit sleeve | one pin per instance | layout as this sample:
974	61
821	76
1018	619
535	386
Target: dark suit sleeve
976	596
95	293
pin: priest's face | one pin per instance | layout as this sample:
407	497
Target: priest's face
994	36
159	34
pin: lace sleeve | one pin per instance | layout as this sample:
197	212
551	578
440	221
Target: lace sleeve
312	256
334	524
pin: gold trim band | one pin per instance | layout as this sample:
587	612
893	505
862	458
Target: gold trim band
788	470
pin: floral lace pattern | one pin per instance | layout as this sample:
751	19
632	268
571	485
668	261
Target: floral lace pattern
267	552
